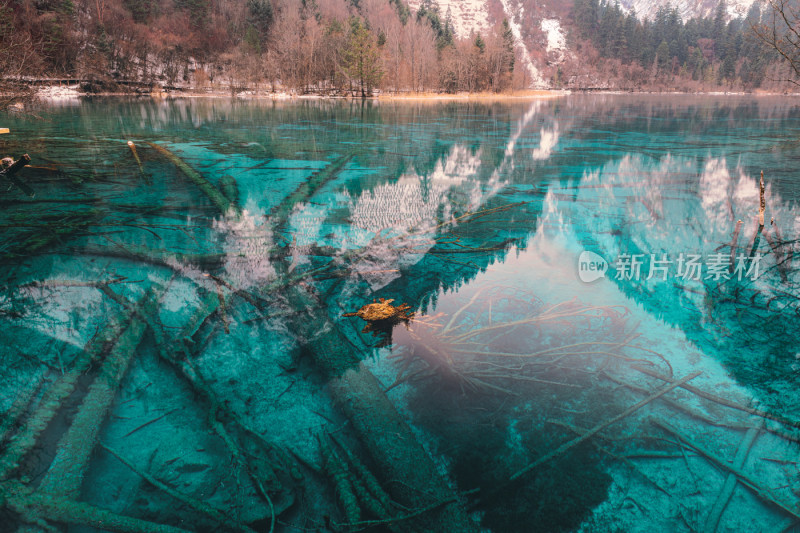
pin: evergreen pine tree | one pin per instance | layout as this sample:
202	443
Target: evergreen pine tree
361	58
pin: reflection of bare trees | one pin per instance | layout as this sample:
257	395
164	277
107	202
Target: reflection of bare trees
247	245
415	201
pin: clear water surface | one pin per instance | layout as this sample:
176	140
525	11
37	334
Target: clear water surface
593	342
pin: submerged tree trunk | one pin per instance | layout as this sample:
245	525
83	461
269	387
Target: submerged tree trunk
404	465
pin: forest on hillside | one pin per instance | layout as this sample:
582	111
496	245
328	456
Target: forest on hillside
357	46
305	45
700	53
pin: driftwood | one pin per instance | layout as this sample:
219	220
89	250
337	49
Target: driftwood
746	480
66	473
720	400
596	429
9	172
61	484
734	244
342	484
213	194
714	516
69	466
13	417
304	191
262	461
382	506
762	204
162	258
230	189
755	241
59	391
624	458
682	407
780	262
384	433
51	231
785	263
33	506
583	437
145	177
400	458
218	516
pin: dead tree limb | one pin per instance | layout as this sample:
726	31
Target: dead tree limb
66	473
197	505
21	443
721	400
746	480
582	438
33	506
714	516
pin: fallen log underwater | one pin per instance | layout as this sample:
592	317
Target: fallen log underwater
404	472
56	497
734	469
115	345
389	440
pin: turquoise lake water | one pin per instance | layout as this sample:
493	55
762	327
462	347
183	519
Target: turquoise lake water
599	335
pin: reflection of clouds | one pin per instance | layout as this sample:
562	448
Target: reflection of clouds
247	245
549	139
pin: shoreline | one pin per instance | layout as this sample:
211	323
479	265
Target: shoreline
62	93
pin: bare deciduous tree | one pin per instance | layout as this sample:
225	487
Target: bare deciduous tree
779	29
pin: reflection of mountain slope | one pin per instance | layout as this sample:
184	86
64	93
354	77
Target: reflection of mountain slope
413	209
461	183
639	205
415	201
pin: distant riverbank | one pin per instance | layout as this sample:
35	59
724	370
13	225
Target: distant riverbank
73	92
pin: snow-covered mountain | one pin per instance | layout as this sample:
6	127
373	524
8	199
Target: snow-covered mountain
687	8
475	15
540	27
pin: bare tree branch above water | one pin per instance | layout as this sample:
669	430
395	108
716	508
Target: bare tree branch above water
779	29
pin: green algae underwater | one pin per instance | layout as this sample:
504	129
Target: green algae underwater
599	335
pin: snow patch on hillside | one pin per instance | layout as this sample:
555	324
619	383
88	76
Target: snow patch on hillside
472	16
58	92
468	16
556	40
513	16
555	37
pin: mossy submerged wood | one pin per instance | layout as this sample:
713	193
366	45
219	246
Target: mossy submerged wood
509	357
